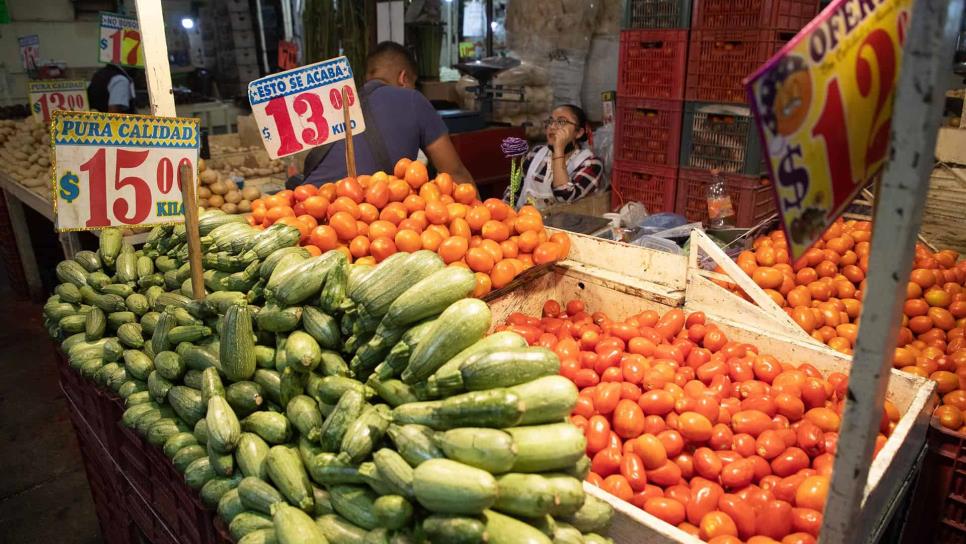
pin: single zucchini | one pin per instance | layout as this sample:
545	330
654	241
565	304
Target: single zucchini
448	487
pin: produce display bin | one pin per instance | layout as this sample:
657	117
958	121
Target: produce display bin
648	131
651	185
652	64
751	196
642	289
657	13
721	136
776	14
939	507
718	61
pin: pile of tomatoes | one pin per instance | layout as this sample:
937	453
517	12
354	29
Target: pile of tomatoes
822	292
701	432
372	217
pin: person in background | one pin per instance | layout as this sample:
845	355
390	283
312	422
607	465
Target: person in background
111	90
563	170
399	123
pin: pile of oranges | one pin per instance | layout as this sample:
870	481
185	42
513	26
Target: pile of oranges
823	290
707	434
371	217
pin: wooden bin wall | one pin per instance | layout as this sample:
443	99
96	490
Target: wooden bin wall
600	289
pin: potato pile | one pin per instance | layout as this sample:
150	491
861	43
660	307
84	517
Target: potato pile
221	192
25	153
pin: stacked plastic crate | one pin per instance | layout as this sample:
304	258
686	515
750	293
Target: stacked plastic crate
650	102
729	40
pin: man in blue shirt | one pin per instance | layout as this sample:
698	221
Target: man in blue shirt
399	122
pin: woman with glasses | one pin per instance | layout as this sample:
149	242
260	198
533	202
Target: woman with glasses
563	170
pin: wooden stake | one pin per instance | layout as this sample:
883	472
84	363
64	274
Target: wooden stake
186	175
156	69
350	153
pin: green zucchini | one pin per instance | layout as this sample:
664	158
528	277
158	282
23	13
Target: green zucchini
414	443
247	522
223	464
489	449
215	489
137	364
393	277
393	511
333	364
501	529
429	297
258	495
448	487
158	387
120	289
292	385
327	469
237	352
269	263
264	357
260	536
116	319
188	455
365	432
274	318
176	442
286	471
395	471
504	368
593	515
447	529
394	392
461	325
355	503
347	409
448	379
245	397
130	335
271	426
542	448
187	403
322	327
198	473
89	260
270	381
548	399
340	531
224	430
331	388
568	492
169	365
525	495
211	385
71	272
304	280
492	408
252	454
293	526
304	414
302	352
230	505
109	245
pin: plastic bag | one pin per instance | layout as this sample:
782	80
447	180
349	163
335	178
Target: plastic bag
604	149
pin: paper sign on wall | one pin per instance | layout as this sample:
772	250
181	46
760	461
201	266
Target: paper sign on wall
288	55
823	106
117	170
120	41
302	108
56	94
29	51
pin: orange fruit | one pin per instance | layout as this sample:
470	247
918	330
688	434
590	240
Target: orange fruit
509	248
302	192
561	239
382	229
313	250
465	193
477	216
359	246
278	212
274	201
381	248
502	274
344	225
324	237
411	224
431	239
401	166
429	192
445	183
456	209
459	227
436	213
316	206
528	241
498	209
416	174
350	188
490	247
378	194
453	249
369	261
528	222
495	230
483	285
399	190
394	213
408	241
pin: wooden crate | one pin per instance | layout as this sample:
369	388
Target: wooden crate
622	288
942	218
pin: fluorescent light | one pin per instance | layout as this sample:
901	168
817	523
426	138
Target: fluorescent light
188	23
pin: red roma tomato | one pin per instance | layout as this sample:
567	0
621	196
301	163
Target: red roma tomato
651	451
574	307
654	424
753	422
656	402
789	462
630	391
790	406
825	418
770	444
704	499
567	348
694	427
633	369
632	468
569	368
641	346
685	461
551	308
598	434
794	538
762	403
547	340
623	331
607	359
584	406
696	318
606	462
628	419
649	492
612	374
738	474
666	475
810	438
812	493
580	422
707	464
741	512
586	377
673	442
615	441
530	334
774	519
680	493
745	444
806	520
617	485
714	339
716	525
594	479
668	510
721	437
787	488
606	397
670	323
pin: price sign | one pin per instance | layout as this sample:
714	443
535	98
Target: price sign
823	106
302	108
56	94
29	51
120	41
112	169
288	55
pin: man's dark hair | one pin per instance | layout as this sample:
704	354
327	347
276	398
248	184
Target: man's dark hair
390	54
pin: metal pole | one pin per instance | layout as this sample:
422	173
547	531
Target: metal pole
928	53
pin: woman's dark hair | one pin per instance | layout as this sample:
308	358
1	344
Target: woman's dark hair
581	119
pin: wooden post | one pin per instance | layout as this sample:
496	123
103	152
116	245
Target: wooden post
156	69
931	36
187	178
350	152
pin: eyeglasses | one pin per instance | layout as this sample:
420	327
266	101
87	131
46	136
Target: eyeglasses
559	122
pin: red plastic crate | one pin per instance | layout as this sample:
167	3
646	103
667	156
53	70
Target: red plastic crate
751	197
652	64
657	13
775	14
652	185
938	509
648	131
718	61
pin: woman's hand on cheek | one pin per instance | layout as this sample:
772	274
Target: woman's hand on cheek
562	138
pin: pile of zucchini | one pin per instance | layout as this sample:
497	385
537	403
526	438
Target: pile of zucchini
312	401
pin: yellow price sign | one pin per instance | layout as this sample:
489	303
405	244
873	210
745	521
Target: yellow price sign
120	41
823	106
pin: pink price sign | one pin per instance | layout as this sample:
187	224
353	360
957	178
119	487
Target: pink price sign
823	106
302	108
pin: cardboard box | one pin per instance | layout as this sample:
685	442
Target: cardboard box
440	90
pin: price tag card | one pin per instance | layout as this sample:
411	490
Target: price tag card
288	54
29	51
302	108
56	94
120	41
113	170
823	106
